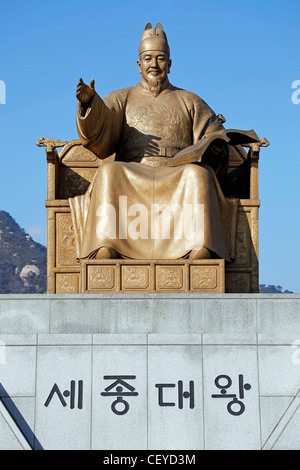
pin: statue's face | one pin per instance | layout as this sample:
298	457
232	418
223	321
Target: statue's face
154	66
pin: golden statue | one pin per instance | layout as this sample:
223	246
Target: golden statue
161	197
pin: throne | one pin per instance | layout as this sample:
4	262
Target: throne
69	173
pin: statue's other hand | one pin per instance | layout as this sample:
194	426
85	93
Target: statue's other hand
84	93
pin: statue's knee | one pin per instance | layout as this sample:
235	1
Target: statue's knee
108	167
198	172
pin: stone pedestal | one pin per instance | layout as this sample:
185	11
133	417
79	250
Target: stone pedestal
120	371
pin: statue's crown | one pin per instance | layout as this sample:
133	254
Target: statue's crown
154	39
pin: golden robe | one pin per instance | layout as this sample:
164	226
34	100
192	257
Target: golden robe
145	132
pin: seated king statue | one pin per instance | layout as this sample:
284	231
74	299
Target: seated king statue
159	197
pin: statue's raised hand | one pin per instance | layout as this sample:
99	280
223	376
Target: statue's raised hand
84	93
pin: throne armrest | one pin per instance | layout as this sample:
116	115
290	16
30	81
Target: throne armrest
52	164
69	171
253	157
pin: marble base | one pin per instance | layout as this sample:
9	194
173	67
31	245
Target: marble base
142	372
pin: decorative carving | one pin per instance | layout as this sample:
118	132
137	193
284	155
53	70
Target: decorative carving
169	277
74	152
50	144
242	250
203	277
67	283
255	146
148	120
65	243
254	231
75	181
50	251
135	277
238	282
101	277
155	276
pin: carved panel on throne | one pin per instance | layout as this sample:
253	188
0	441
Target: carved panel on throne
150	276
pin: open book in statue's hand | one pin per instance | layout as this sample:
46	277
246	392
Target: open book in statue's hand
195	152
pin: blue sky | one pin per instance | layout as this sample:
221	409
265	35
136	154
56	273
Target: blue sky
240	57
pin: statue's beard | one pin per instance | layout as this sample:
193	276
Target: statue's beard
154	85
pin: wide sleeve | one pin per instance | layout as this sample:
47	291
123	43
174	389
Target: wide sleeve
100	125
203	117
204	123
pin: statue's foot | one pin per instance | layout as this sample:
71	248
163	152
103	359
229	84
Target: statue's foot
203	253
106	253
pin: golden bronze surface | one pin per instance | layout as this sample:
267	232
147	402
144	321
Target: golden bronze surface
151	145
133	276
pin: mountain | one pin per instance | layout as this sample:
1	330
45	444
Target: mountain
23	262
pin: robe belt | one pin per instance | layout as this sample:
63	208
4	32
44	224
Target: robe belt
154	161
